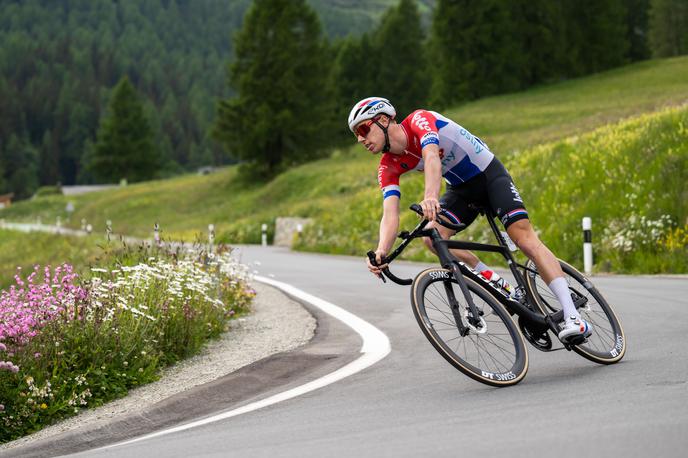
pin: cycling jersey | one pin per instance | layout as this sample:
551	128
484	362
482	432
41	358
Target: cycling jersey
462	154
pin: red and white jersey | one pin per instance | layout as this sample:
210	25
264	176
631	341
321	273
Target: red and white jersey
463	155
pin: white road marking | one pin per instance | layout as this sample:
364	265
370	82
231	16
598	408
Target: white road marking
375	347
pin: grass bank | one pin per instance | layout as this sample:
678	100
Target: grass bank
23	250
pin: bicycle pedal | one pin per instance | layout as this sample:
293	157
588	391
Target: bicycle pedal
577	340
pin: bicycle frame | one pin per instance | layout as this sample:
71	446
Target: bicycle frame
459	269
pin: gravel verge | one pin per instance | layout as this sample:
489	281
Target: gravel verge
276	324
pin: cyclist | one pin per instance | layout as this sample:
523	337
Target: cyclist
428	142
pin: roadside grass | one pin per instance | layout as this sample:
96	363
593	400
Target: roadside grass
341	192
23	250
521	120
76	338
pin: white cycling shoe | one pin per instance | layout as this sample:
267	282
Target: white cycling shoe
574	330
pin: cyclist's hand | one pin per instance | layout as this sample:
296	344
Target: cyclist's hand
377	270
431	208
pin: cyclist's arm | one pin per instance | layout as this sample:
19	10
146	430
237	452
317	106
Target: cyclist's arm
389	225
423	125
433	180
388	177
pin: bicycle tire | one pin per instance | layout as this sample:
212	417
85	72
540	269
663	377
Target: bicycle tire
495	373
607	344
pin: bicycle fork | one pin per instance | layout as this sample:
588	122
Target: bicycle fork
474	315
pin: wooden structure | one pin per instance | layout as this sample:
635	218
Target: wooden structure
6	200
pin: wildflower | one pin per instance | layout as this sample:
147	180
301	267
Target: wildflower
2	408
9	366
3	347
125	364
43	406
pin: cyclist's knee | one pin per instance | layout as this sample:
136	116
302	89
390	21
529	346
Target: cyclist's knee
523	235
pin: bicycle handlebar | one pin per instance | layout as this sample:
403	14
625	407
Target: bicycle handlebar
407	237
448	224
386	272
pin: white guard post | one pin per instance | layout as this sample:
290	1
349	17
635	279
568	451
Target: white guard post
264	234
587	244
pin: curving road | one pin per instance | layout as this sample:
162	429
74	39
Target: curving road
412	403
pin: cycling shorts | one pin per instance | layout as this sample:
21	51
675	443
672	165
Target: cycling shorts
492	188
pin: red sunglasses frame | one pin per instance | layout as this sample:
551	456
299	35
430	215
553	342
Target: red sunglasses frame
364	129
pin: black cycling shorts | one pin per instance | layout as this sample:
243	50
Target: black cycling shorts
492	188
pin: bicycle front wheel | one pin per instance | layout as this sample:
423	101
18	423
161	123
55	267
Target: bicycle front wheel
607	344
492	353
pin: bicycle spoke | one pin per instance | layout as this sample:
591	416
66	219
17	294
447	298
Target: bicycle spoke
496	363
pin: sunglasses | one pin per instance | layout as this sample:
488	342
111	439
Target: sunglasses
364	129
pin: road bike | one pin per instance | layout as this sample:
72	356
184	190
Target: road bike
474	330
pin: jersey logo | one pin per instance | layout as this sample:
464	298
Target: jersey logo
517	196
420	121
429	139
379	174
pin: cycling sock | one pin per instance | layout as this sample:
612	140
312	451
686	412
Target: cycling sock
480	266
561	289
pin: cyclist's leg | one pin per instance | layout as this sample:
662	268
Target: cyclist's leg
507	203
454	200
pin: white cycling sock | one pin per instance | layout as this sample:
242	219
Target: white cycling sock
561	289
480	266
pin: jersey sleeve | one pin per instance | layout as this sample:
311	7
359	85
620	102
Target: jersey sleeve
423	125
388	177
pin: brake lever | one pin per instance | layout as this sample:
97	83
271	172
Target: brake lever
373	261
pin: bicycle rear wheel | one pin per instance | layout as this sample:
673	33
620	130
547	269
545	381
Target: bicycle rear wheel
493	353
607	344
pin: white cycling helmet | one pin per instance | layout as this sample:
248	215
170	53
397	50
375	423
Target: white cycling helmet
368	108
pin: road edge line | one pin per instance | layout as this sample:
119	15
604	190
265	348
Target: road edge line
375	347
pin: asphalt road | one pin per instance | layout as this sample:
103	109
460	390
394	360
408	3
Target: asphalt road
413	403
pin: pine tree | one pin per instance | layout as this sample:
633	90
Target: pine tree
353	78
448	52
50	160
124	147
401	72
21	167
596	35
475	50
282	113
668	27
637	29
539	31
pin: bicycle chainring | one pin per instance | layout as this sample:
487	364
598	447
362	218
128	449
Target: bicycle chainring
537	338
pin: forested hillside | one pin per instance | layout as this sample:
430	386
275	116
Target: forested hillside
60	61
